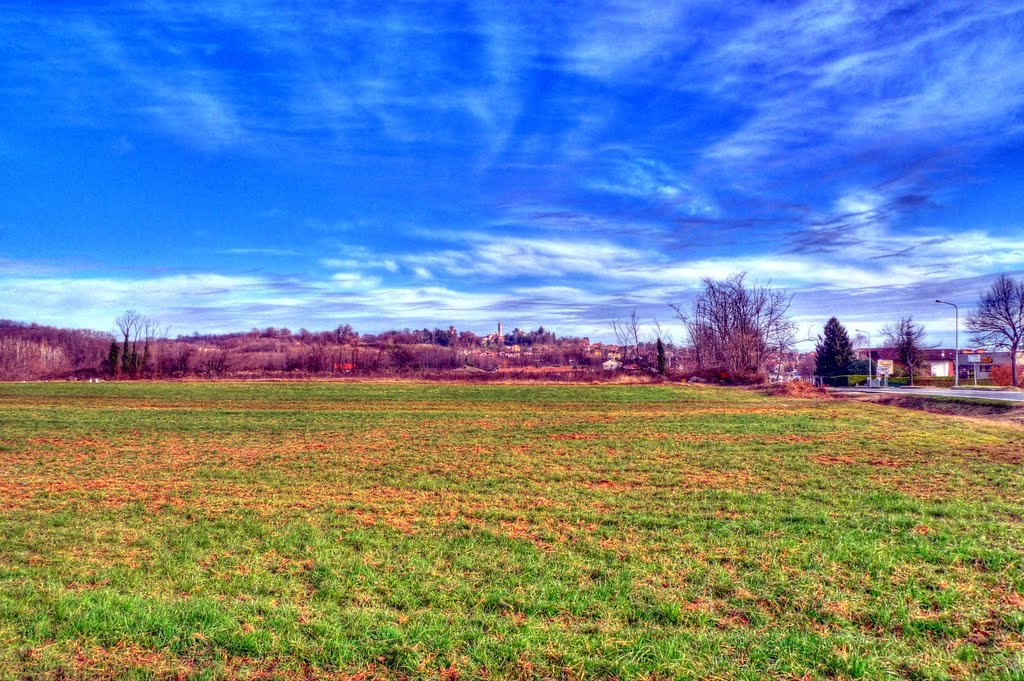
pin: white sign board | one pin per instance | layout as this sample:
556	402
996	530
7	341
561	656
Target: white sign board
973	358
884	367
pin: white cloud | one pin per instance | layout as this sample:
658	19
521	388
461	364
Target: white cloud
858	203
89	301
354	282
360	258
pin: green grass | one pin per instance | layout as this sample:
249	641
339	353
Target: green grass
428	531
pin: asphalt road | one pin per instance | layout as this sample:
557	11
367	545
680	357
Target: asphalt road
1007	395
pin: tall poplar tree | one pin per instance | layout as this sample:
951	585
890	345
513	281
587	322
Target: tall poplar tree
113	358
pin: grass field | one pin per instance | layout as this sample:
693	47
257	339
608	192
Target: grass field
388	530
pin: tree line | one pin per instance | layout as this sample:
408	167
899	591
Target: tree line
30	351
138	347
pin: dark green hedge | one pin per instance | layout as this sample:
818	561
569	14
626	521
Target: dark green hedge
845	381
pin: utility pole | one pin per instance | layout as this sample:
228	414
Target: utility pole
956	341
871	374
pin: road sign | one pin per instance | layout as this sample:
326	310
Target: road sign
976	358
884	367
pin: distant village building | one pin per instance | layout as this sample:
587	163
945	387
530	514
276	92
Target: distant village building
511	350
980	363
494	338
941	362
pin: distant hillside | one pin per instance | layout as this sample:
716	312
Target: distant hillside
31	351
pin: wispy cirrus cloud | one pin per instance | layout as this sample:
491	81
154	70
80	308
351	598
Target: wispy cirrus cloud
620	173
854	75
319	74
623	38
505	257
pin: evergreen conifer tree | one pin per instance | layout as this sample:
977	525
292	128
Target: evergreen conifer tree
113	357
834	350
661	357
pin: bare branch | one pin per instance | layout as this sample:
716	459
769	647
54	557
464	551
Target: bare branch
998	320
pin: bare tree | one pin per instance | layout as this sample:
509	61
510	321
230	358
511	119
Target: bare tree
659	332
733	327
998	321
906	337
161	349
213	361
126	323
782	340
149	327
627	334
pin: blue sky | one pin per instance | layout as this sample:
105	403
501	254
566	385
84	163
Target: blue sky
222	166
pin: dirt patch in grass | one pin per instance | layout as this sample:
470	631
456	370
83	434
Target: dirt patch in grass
888	463
1014	458
574	436
687	481
127	659
927	486
831	460
834	460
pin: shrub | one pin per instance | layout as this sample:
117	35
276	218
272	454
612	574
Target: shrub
747	378
722	376
1001	375
857	366
845	380
949	382
797	389
934	381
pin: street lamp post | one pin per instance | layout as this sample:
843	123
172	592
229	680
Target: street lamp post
956	340
871	373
